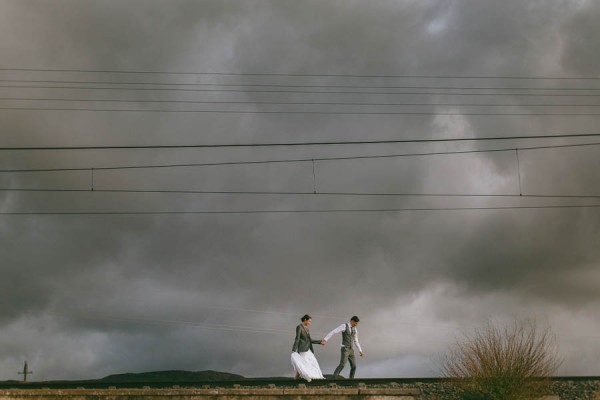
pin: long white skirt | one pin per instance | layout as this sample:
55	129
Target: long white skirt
306	365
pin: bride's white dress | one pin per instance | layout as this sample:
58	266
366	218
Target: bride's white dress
306	365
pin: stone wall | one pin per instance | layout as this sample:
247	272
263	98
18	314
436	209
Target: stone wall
252	393
565	388
562	388
576	389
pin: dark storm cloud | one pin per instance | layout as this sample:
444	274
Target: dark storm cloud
579	37
150	293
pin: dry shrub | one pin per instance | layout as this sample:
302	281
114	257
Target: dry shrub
510	363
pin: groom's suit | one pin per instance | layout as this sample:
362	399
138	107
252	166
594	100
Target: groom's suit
303	341
349	341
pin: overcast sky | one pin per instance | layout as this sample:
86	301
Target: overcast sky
84	296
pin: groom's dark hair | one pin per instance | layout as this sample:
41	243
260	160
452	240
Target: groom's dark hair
355	319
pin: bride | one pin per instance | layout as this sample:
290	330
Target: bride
303	359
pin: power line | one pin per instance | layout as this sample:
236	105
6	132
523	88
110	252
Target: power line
322	143
298	193
278	85
224	327
221	327
297	112
250	329
316	211
304	91
293	102
246	310
299	74
292	160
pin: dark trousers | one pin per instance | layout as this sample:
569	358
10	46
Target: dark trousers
347	354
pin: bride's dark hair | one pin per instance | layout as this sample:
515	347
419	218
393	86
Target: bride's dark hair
305	317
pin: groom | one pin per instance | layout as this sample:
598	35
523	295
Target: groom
349	341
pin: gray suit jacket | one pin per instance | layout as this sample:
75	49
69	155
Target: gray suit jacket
303	341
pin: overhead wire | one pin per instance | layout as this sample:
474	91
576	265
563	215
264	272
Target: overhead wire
287	112
562	114
220	327
303	91
290	102
314	192
311	143
279	85
293	160
344	75
299	211
299	193
288	85
248	329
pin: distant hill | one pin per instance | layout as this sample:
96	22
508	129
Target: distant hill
172	376
150	378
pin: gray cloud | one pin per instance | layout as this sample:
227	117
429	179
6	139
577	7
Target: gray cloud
86	296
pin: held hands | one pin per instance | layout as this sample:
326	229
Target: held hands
323	342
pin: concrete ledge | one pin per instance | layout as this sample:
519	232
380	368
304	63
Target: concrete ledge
249	393
390	392
562	388
321	392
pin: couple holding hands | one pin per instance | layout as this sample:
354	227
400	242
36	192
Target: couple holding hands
303	359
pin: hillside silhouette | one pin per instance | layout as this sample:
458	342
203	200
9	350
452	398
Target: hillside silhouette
172	376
